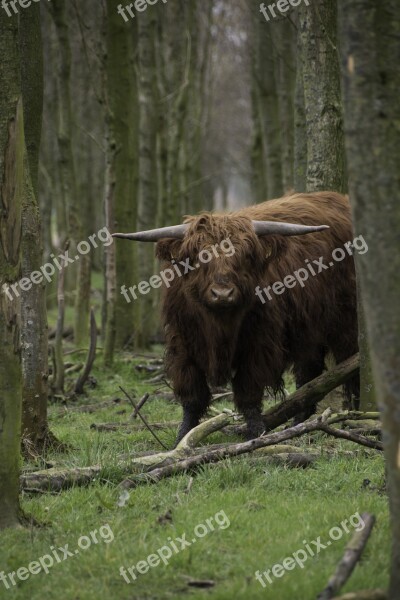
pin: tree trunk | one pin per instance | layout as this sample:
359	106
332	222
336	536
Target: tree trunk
268	108
300	133
284	61
33	301
370	50
321	80
122	102
12	189
110	272
147	191
367	400
68	176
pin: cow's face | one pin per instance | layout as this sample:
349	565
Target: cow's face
223	258
217	260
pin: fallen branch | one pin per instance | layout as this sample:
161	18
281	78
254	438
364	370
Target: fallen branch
364	595
73	369
293	460
166	468
80	382
141	403
59	479
351	556
184	457
129	427
187	444
88	408
365	427
352	437
147	368
55	480
155	436
65	334
311	392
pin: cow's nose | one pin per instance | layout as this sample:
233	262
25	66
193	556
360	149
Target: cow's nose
222	294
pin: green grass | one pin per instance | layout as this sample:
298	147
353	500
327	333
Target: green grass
272	511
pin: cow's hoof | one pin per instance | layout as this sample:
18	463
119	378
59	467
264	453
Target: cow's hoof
301	417
254	430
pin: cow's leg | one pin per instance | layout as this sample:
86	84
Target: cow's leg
248	399
305	372
192	391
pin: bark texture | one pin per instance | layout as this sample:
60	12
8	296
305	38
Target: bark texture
147	190
12	188
321	80
33	300
370	53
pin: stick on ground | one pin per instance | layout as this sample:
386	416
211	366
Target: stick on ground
141	402
155	436
364	595
351	556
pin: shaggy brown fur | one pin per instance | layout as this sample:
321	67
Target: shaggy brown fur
252	344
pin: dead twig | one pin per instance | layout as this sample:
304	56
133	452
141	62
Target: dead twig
352	437
141	403
364	595
130	428
351	556
166	464
185	457
143	419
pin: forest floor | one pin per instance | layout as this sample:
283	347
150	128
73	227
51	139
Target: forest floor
262	512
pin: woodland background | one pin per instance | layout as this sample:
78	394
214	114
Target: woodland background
189	106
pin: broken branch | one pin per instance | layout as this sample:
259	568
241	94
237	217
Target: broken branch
351	556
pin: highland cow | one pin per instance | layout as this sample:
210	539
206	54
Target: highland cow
218	330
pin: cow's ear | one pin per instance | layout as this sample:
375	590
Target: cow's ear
168	249
272	245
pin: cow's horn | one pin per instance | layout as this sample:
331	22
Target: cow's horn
271	227
153	235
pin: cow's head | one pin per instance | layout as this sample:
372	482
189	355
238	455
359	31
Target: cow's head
220	256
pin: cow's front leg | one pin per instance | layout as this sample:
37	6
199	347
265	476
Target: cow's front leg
193	393
248	399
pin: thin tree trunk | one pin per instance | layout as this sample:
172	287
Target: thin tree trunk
110	273
13	180
33	301
68	175
300	133
147	191
269	109
284	60
321	79
122	102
